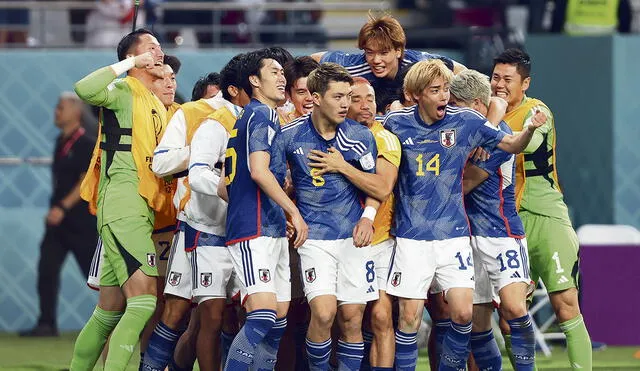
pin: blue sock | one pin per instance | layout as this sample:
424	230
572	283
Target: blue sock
243	349
381	368
160	348
225	343
440	327
318	354
368	340
455	347
485	351
406	351
349	355
523	342
267	352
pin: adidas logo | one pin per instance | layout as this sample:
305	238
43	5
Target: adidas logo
516	275
370	290
563	279
299	151
409	141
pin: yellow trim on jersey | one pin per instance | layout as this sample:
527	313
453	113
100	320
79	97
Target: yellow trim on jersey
388	148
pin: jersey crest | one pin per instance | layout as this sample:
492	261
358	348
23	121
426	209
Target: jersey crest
448	138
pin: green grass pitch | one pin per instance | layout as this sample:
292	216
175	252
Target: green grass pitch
49	354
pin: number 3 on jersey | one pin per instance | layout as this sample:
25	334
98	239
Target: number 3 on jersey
433	165
232	157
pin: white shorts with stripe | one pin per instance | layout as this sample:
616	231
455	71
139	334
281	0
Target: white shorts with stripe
381	255
262	264
499	261
337	267
416	264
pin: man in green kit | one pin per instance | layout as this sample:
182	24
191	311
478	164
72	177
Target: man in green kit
127	193
552	242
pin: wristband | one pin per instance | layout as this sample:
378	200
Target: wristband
369	213
123	66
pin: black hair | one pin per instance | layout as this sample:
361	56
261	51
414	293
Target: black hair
130	41
231	74
280	54
516	57
173	62
298	68
253	62
200	87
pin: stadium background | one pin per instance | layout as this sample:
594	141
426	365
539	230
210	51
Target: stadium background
590	83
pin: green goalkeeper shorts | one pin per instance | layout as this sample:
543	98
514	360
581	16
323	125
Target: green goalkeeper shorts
127	247
553	251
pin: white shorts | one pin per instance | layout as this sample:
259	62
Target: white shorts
415	264
381	255
179	272
162	241
93	281
262	264
499	261
338	268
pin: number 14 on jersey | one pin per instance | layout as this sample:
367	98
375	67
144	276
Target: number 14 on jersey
433	165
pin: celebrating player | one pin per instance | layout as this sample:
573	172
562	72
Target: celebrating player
127	196
553	244
432	231
255	230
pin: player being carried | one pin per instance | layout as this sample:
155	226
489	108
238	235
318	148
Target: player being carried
431	227
383	43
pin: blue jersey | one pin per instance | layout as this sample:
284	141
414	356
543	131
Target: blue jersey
491	206
429	197
356	64
251	213
330	205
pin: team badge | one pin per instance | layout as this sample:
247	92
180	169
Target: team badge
265	275
151	259
367	162
205	279
448	138
396	278
310	275
174	278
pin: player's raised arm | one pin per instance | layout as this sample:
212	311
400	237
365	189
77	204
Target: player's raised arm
94	88
517	143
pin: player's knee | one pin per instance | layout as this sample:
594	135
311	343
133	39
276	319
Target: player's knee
462	315
381	321
512	310
174	311
324	318
409	320
565	304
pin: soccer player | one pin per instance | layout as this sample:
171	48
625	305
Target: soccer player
383	42
296	73
255	230
553	244
432	232
128	195
206	87
381	342
498	243
339	275
180	286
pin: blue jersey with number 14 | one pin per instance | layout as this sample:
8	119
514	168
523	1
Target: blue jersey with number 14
251	213
429	203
